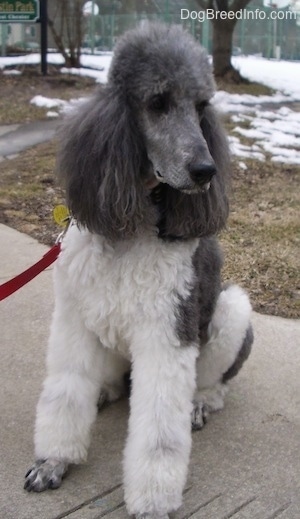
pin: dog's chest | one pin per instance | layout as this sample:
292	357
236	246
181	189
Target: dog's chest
124	287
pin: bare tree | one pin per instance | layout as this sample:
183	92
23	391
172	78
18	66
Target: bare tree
223	27
65	19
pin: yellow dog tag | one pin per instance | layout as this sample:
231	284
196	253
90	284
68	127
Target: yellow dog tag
61	215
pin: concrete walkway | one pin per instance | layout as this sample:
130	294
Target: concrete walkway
16	137
245	463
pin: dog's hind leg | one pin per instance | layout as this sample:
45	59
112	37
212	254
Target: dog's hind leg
68	404
229	344
116	373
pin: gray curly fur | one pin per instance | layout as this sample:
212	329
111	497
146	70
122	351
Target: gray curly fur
115	144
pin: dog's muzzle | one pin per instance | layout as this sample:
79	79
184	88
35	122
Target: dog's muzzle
202	172
197	178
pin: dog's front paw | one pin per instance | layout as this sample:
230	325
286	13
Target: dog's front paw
200	415
45	474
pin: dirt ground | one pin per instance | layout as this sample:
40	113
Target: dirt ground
18	90
261	242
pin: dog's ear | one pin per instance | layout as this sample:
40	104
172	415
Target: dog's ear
100	162
217	196
203	214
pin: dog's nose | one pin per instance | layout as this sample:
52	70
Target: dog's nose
202	172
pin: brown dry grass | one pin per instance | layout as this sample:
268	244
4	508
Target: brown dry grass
261	242
17	91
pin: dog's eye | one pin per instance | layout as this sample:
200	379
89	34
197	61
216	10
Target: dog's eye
200	106
159	103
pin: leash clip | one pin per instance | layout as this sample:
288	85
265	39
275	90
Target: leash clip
68	220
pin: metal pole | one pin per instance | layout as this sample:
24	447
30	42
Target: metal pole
93	27
44	36
167	11
3	39
275	39
193	27
242	35
112	26
205	34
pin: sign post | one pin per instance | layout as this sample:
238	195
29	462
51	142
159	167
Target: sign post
44	36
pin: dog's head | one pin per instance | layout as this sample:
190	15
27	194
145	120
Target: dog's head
151	125
166	79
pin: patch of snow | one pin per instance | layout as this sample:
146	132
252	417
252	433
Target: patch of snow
242	165
286	159
277	74
99	75
12	72
47	102
53	114
242	150
226	102
61	105
275	131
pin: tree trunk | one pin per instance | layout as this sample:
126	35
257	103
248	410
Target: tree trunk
72	61
67	30
223	36
222	46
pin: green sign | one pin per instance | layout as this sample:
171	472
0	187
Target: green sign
19	11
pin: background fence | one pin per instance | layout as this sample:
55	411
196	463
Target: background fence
250	36
267	37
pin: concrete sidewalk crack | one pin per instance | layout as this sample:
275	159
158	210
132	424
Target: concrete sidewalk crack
203	505
87	502
113	509
239	508
279	511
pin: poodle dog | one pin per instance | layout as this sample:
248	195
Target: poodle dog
146	169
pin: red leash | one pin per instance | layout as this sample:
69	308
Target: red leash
19	281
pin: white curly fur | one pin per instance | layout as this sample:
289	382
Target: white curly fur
115	304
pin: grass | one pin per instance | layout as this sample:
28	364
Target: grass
17	91
28	192
262	237
13	113
255	89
